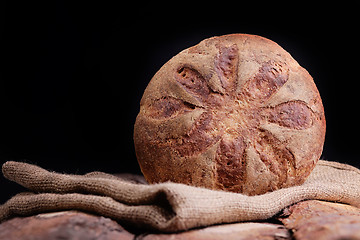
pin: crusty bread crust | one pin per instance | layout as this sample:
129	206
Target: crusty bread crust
235	113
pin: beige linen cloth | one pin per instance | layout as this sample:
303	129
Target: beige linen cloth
168	207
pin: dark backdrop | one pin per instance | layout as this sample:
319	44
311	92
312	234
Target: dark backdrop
72	75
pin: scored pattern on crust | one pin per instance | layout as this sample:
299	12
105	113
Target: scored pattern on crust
233	118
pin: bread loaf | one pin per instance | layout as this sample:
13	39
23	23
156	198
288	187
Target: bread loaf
234	113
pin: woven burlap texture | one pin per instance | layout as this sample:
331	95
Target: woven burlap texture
168	207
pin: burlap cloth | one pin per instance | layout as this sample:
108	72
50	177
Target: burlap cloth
168	207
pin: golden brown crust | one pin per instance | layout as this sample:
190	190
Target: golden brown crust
236	113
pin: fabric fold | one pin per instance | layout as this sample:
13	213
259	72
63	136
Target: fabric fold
168	207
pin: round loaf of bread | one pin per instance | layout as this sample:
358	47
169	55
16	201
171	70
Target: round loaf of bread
234	113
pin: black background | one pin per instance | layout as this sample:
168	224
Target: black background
72	75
